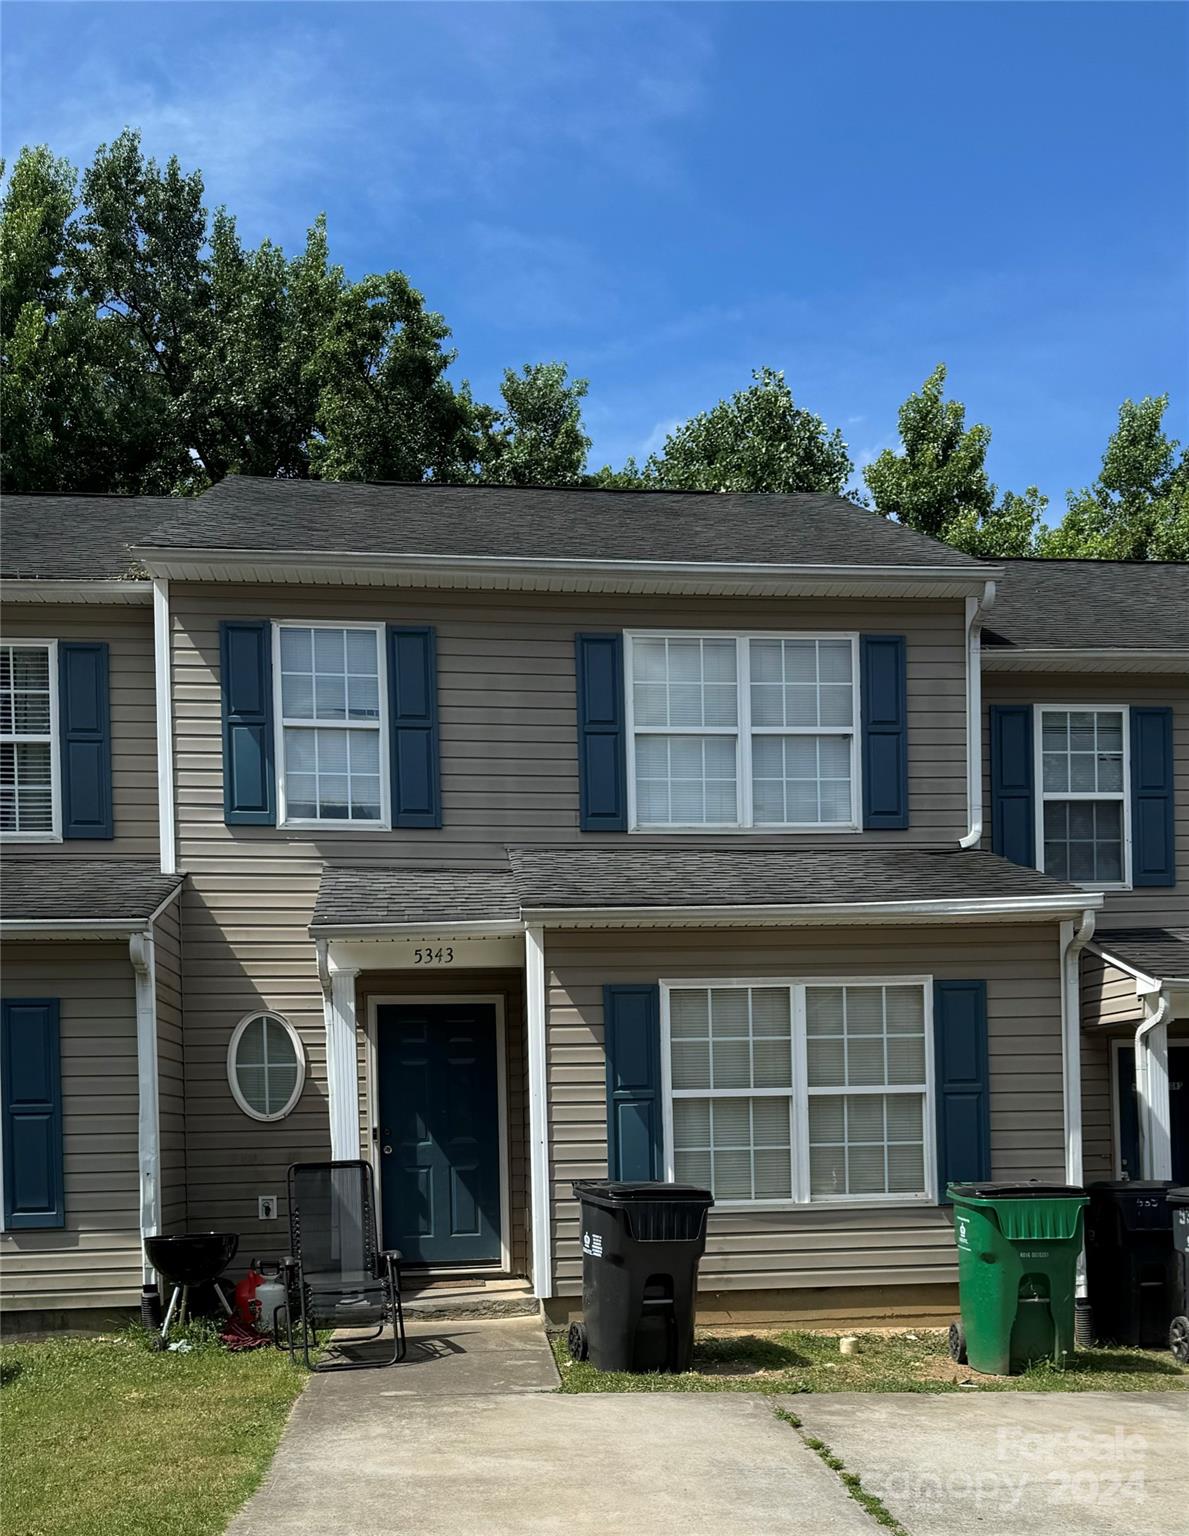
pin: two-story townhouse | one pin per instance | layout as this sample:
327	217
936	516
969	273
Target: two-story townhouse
90	1032
1086	679
533	834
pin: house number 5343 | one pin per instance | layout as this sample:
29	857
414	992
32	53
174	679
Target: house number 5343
441	956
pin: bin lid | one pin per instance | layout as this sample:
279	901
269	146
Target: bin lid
1017	1189
1179	1194
622	1192
1137	1188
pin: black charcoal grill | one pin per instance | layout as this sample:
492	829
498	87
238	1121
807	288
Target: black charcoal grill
189	1259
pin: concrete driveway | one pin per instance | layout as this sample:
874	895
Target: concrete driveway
469	1438
1094	1463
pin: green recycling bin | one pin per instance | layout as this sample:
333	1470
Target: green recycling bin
1018	1247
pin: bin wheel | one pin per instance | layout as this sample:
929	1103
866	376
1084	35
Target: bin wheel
579	1344
1178	1339
958	1343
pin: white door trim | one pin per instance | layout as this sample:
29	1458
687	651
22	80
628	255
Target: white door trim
371	1058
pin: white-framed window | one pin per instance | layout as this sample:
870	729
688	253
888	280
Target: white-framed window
780	1093
266	1066
330	683
30	809
742	730
1083	774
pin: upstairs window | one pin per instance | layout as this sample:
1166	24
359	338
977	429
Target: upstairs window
1083	801
334	753
731	731
28	741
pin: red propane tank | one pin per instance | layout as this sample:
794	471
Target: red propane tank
246	1304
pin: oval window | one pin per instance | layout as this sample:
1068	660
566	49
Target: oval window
266	1066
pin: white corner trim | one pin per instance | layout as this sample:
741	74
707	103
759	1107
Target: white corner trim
164	698
1073	939
976	612
538	1109
142	953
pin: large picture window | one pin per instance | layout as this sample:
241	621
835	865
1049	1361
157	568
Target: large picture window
28	745
743	730
333	751
1083	800
796	1092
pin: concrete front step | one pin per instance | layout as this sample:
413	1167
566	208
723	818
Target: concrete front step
476	1298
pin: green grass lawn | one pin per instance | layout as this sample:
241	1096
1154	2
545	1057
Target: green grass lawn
102	1437
789	1361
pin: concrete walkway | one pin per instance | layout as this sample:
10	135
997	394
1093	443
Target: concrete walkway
1028	1463
469	1438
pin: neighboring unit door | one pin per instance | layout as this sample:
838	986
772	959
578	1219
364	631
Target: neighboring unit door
1178	1104
439	1131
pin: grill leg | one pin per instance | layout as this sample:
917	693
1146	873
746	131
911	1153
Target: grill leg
185	1304
226	1305
169	1311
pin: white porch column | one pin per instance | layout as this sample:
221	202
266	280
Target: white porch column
342	1071
538	1109
1151	1088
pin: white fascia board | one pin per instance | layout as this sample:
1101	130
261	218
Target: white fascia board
361	932
1144	983
351	567
1009	658
54	589
977	908
72	927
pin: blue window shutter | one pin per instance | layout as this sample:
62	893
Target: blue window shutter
249	784
30	1065
84	736
1013	820
602	745
883	673
632	1040
962	1076
1153	860
413	700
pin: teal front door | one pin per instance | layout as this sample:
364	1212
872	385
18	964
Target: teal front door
438	1103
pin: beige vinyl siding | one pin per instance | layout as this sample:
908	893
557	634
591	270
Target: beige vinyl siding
806	1247
94	1261
170	1068
129	635
1149	906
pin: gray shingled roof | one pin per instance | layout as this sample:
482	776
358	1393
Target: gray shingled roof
367	895
1091	604
326	517
77	537
693	877
1157	952
71	890
649	876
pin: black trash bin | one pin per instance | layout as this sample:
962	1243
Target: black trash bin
1129	1262
641	1243
1178	1328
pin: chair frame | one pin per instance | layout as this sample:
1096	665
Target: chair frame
385	1266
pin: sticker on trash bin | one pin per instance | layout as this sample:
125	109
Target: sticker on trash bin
963	1240
592	1243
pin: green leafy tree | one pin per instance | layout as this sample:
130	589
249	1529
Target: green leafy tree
1138	507
538	437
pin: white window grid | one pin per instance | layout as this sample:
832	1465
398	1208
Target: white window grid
1121	797
298	1064
743	732
13	737
378	726
799	1094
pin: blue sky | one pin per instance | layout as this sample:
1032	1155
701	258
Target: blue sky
666	197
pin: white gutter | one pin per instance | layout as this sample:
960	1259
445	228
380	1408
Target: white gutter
100	927
54	589
976	612
142	952
1118	658
538	1110
494	928
1056	905
1151	1090
164	700
1073	941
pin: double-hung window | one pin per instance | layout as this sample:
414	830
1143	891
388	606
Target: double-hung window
330	684
1082	806
796	1092
28	741
740	731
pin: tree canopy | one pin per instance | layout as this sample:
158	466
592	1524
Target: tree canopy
147	349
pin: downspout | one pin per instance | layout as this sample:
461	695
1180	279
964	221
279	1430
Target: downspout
977	609
1073	941
538	1108
1151	1086
141	951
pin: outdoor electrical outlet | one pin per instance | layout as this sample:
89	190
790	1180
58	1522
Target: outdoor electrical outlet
266	1207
